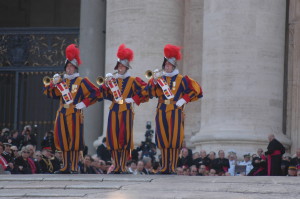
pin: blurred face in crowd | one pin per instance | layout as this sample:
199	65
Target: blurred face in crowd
140	166
87	160
122	69
221	154
185	152
58	155
38	155
203	153
14	151
186	171
7	149
194	171
212	172
202	169
30	148
179	171
196	155
231	157
292	172
271	137
133	166
168	67
259	151
70	69
25	154
212	155
247	158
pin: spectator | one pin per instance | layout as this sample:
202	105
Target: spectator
259	167
156	167
194	170
147	166
45	163
15	138
86	167
179	171
186	171
48	141
3	163
232	163
132	167
296	160
285	163
260	153
247	162
140	168
212	172
14	152
5	135
184	158
22	166
221	164
292	171
7	154
31	149
211	156
57	160
27	137
103	152
202	170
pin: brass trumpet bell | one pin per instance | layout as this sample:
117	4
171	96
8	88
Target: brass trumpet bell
100	80
149	73
47	80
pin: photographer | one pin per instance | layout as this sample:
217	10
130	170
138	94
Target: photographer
48	141
147	147
27	137
5	135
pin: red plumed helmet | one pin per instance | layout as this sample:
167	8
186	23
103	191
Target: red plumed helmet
125	56
72	54
172	51
172	54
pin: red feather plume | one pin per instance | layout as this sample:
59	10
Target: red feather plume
172	51
72	52
125	53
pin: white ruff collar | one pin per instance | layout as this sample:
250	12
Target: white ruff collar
173	73
70	77
125	75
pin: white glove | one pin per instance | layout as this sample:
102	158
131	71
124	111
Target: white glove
156	74
180	102
80	105
129	100
56	78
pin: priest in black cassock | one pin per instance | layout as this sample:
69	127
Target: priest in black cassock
274	156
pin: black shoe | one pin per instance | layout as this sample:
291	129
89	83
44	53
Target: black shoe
115	172
62	172
163	172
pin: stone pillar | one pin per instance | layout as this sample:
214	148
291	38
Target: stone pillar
192	61
145	27
293	76
92	49
242	75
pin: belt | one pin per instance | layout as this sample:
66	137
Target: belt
120	102
166	101
67	105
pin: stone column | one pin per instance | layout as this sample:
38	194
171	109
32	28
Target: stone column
92	49
145	27
293	77
242	75
192	61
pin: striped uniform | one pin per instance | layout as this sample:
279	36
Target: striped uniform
170	118
119	135
68	128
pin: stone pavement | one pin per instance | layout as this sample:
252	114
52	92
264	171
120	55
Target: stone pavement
154	186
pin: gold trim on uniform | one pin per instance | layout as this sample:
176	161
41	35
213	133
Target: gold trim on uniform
74	88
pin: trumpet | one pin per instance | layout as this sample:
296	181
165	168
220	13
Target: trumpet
149	73
47	79
100	80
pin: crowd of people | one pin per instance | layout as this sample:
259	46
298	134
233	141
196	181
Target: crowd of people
19	158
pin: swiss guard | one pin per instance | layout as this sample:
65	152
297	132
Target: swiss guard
74	93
